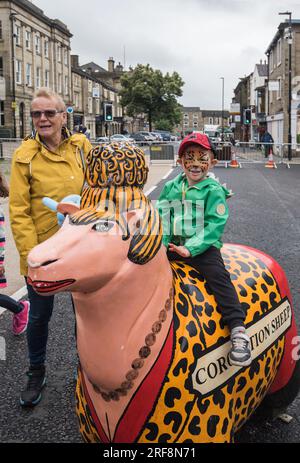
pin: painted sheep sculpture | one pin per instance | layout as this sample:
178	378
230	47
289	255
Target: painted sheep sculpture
152	346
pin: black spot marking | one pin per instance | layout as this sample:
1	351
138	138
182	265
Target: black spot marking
181	366
194	426
189	407
264	306
219	398
212	425
241	384
273	297
264	288
255	298
242	291
238	403
210	328
225	426
197	351
244	267
164	438
184	344
251	283
203	406
175	418
248	395
153	431
182	306
172	394
267	367
192	329
254	369
268	279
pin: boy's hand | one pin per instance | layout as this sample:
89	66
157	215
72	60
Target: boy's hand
181	250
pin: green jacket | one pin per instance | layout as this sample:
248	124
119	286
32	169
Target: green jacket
197	216
37	172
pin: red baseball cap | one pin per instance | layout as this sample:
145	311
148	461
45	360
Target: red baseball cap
195	139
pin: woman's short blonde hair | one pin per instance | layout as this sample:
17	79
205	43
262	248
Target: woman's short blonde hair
48	93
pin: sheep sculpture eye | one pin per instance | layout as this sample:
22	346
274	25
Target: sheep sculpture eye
103	226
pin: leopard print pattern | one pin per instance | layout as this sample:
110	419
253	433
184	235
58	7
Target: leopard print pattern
180	414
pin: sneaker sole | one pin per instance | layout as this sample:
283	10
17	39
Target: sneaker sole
240	364
35	402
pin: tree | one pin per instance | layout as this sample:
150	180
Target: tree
145	90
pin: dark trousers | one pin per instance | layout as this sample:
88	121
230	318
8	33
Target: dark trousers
10	304
41	308
211	266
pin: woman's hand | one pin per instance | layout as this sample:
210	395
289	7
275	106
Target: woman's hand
181	250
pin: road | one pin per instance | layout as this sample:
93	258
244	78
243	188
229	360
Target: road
264	213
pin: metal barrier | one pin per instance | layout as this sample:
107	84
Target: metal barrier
164	153
8	147
256	153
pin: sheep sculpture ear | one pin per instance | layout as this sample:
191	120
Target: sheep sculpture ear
68	205
67	208
134	219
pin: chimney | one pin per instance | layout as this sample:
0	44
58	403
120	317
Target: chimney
260	61
75	61
111	65
119	68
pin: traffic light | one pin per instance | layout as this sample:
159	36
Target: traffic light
108	115
247	116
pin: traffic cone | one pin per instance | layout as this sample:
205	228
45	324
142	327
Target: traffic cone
233	162
271	164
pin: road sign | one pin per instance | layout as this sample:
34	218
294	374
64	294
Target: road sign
70	110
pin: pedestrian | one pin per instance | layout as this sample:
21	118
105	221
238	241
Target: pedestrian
20	309
48	163
268	141
197	247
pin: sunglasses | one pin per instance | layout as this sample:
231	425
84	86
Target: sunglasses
49	113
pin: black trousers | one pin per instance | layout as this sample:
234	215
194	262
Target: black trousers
211	266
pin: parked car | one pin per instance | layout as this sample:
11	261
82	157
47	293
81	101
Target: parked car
166	136
157	136
102	140
121	137
148	135
140	138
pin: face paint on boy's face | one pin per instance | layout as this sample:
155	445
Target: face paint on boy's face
196	163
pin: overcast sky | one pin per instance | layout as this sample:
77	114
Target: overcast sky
202	40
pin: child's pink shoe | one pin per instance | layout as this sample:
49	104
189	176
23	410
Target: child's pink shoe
20	320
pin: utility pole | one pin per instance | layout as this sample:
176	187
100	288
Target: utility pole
290	41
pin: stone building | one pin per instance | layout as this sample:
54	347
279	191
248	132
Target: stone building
278	89
191	120
34	53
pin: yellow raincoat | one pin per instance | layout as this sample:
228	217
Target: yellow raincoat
37	172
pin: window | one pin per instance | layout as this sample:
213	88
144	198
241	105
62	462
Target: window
59	85
1	66
28	75
18	71
211	121
279	51
195	116
46	48
2	120
38	77
185	124
90	103
1	31
38	44
66	85
18	34
271	60
59	53
76	97
28	37
90	86
195	124
47	78
66	57
97	106
279	88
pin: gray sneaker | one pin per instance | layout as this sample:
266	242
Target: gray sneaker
240	353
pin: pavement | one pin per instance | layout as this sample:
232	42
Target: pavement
264	213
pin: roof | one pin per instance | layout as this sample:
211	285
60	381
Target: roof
281	27
262	70
191	109
93	67
89	76
39	14
214	113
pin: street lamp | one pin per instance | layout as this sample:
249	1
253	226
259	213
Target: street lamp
222	108
289	14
